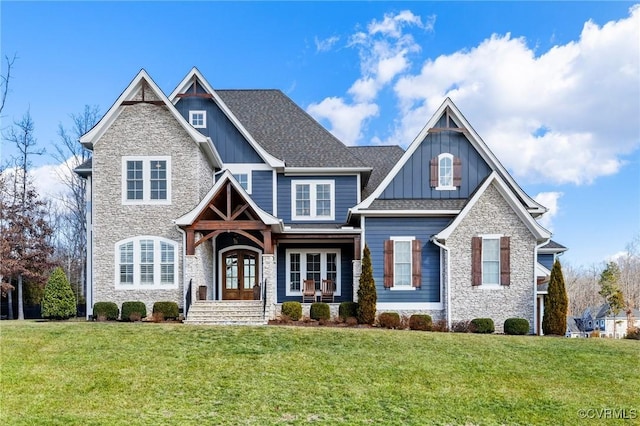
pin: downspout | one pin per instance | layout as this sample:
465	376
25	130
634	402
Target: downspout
446	283
184	265
535	287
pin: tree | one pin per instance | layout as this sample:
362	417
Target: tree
554	320
71	219
367	296
58	301
4	81
610	290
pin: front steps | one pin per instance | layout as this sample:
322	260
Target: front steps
226	312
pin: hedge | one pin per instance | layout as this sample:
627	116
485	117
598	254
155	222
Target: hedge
420	322
169	310
319	311
348	309
516	326
389	320
293	310
483	325
106	310
137	309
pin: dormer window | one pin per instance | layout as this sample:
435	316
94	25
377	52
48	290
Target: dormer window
198	119
446	172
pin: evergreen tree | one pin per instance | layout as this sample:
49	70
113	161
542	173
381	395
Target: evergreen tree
367	296
610	290
554	320
58	301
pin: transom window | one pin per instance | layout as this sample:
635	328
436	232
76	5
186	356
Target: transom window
146	262
198	119
146	180
491	260
314	265
313	200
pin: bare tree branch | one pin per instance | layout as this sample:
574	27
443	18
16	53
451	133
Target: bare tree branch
4	81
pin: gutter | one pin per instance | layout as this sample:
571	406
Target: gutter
447	280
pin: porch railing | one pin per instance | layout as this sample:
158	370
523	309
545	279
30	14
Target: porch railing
187	302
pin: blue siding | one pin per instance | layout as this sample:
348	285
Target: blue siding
262	189
231	145
346	196
377	230
546	260
346	278
413	179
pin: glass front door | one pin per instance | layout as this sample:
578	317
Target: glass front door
240	275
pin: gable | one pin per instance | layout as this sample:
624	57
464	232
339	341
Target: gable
412	180
232	146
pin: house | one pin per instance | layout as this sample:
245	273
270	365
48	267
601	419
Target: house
600	319
225	201
574	327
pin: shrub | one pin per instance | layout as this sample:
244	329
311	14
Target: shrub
483	325
131	308
516	326
633	333
351	321
107	310
320	311
554	319
463	326
420	322
293	310
347	309
389	320
169	310
58	301
367	296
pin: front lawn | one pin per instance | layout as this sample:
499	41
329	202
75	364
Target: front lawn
78	373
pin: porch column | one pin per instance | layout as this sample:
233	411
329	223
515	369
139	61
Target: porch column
269	278
357	271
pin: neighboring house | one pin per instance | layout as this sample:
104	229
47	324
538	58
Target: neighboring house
574	327
216	198
600	319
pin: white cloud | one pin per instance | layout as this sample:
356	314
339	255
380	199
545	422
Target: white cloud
346	120
568	115
324	45
550	201
384	52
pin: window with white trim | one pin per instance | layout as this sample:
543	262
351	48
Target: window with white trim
402	265
491	260
146	262
243	180
314	265
445	171
198	119
312	200
146	180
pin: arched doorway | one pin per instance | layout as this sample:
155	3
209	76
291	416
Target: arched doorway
239	274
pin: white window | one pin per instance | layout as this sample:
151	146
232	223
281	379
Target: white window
402	263
312	200
491	260
445	172
314	265
198	119
145	262
146	180
243	180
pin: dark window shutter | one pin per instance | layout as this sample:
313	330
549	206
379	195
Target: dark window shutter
434	171
505	261
388	263
457	171
416	262
476	260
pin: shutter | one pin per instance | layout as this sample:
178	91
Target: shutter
505	261
388	263
434	171
457	171
416	263
476	261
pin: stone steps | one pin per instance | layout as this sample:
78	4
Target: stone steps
226	312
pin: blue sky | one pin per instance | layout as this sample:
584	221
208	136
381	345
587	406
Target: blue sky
552	87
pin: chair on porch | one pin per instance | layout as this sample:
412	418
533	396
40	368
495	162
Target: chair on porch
327	291
309	291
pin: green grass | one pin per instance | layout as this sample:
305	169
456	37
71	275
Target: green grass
77	373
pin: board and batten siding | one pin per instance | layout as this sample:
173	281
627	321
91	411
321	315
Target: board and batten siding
346	270
413	180
346	196
378	230
229	142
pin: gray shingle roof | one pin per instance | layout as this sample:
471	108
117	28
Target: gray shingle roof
381	158
286	131
554	245
85	169
419	204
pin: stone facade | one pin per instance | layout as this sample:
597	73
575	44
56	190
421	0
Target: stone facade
492	215
141	130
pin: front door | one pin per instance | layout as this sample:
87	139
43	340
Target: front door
240	274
